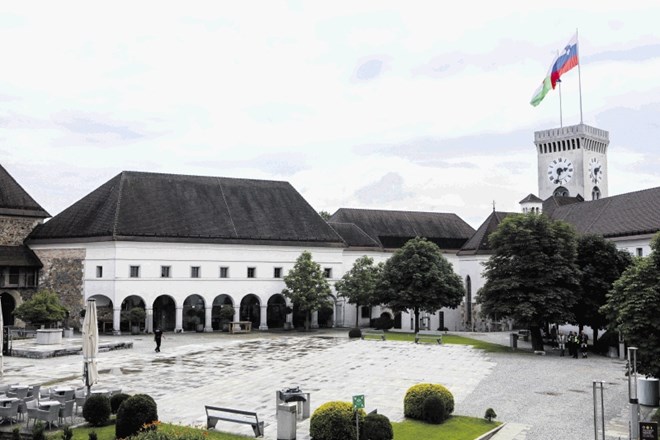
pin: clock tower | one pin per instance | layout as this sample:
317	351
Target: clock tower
572	160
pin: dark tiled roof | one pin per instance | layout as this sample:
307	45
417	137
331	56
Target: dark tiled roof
391	229
151	206
554	202
626	214
531	198
478	243
18	256
14	200
354	236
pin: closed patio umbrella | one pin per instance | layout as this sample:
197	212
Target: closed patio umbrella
90	345
2	334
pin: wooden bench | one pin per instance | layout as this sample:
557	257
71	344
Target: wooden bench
524	334
214	414
373	334
428	334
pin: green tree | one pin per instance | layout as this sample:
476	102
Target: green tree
600	264
306	286
632	308
325	215
532	276
43	308
418	277
358	285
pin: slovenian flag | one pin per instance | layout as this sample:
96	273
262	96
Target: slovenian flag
564	62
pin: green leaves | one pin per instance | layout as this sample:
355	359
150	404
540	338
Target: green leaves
359	284
43	308
306	285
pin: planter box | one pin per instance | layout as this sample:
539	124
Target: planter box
49	336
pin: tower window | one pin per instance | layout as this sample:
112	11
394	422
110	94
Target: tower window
640	252
561	192
595	193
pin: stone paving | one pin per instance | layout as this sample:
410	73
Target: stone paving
541	397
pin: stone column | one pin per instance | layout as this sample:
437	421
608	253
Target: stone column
116	321
237	313
149	320
178	319
315	319
208	326
263	321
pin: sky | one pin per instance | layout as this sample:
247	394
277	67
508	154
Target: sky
416	105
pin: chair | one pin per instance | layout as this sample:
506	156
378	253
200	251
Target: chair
32	407
114	391
80	397
64	397
49	415
35	391
67	411
9	412
22	405
20	393
44	393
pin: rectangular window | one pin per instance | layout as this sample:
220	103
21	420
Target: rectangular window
135	272
640	252
31	278
13	276
251	272
277	272
165	272
224	272
327	272
195	272
99	271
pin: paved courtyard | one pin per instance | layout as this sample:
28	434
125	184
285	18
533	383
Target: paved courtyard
541	397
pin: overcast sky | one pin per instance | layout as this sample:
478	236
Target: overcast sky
366	104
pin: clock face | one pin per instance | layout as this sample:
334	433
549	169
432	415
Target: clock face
595	170
560	171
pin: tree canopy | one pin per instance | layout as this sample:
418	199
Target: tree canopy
306	286
632	307
359	284
43	308
419	277
532	275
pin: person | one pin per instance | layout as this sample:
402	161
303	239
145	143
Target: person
158	336
561	340
584	339
572	345
553	336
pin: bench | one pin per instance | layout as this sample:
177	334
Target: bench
240	327
428	334
214	414
524	334
373	334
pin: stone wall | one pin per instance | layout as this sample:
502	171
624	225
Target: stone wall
13	230
63	273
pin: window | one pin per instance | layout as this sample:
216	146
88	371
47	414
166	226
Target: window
135	272
640	252
195	272
327	272
224	272
277	272
165	272
251	272
99	271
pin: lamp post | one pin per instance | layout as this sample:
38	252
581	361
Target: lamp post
632	393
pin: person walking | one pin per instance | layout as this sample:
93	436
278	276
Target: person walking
572	345
158	336
561	341
583	339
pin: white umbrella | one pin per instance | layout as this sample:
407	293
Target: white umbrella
90	345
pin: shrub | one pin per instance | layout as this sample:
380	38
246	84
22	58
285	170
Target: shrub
334	421
97	410
376	427
116	400
38	431
413	403
384	322
355	333
605	341
67	433
433	410
490	414
16	434
133	413
151	433
92	435
656	416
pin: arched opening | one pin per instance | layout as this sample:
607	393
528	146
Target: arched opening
222	312
193	313
8	305
397	320
326	313
561	192
165	313
251	310
595	193
132	320
276	315
299	317
468	301
104	313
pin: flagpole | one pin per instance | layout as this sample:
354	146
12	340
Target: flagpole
561	121
579	74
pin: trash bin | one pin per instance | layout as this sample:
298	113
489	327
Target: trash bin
286	421
647	391
513	340
296	395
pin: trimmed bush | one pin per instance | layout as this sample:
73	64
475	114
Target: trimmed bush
355	333
334	421
67	433
96	410
434	410
376	427
413	403
490	414
38	431
133	413
92	435
116	400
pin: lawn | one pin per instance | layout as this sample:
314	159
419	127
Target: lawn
455	428
453	339
108	433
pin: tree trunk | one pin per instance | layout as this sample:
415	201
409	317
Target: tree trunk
416	319
308	316
537	339
357	315
593	342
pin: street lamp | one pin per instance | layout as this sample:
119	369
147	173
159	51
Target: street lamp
632	393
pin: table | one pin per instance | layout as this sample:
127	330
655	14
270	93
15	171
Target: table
240	327
46	404
4	400
99	391
61	390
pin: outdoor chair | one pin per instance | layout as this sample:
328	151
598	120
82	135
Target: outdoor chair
9	413
36	389
114	391
20	393
44	393
23	405
49	415
32	407
4	388
67	411
80	397
64	397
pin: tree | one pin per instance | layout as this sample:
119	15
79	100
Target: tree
632	308
325	215
306	286
43	308
532	275
600	264
359	284
418	277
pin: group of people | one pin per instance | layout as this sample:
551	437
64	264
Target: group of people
575	342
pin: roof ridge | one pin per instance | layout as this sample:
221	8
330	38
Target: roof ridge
224	199
400	211
246	179
118	207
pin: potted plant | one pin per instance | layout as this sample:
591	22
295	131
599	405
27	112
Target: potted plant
226	316
135	316
43	309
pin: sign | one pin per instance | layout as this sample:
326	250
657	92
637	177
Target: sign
648	430
358	401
